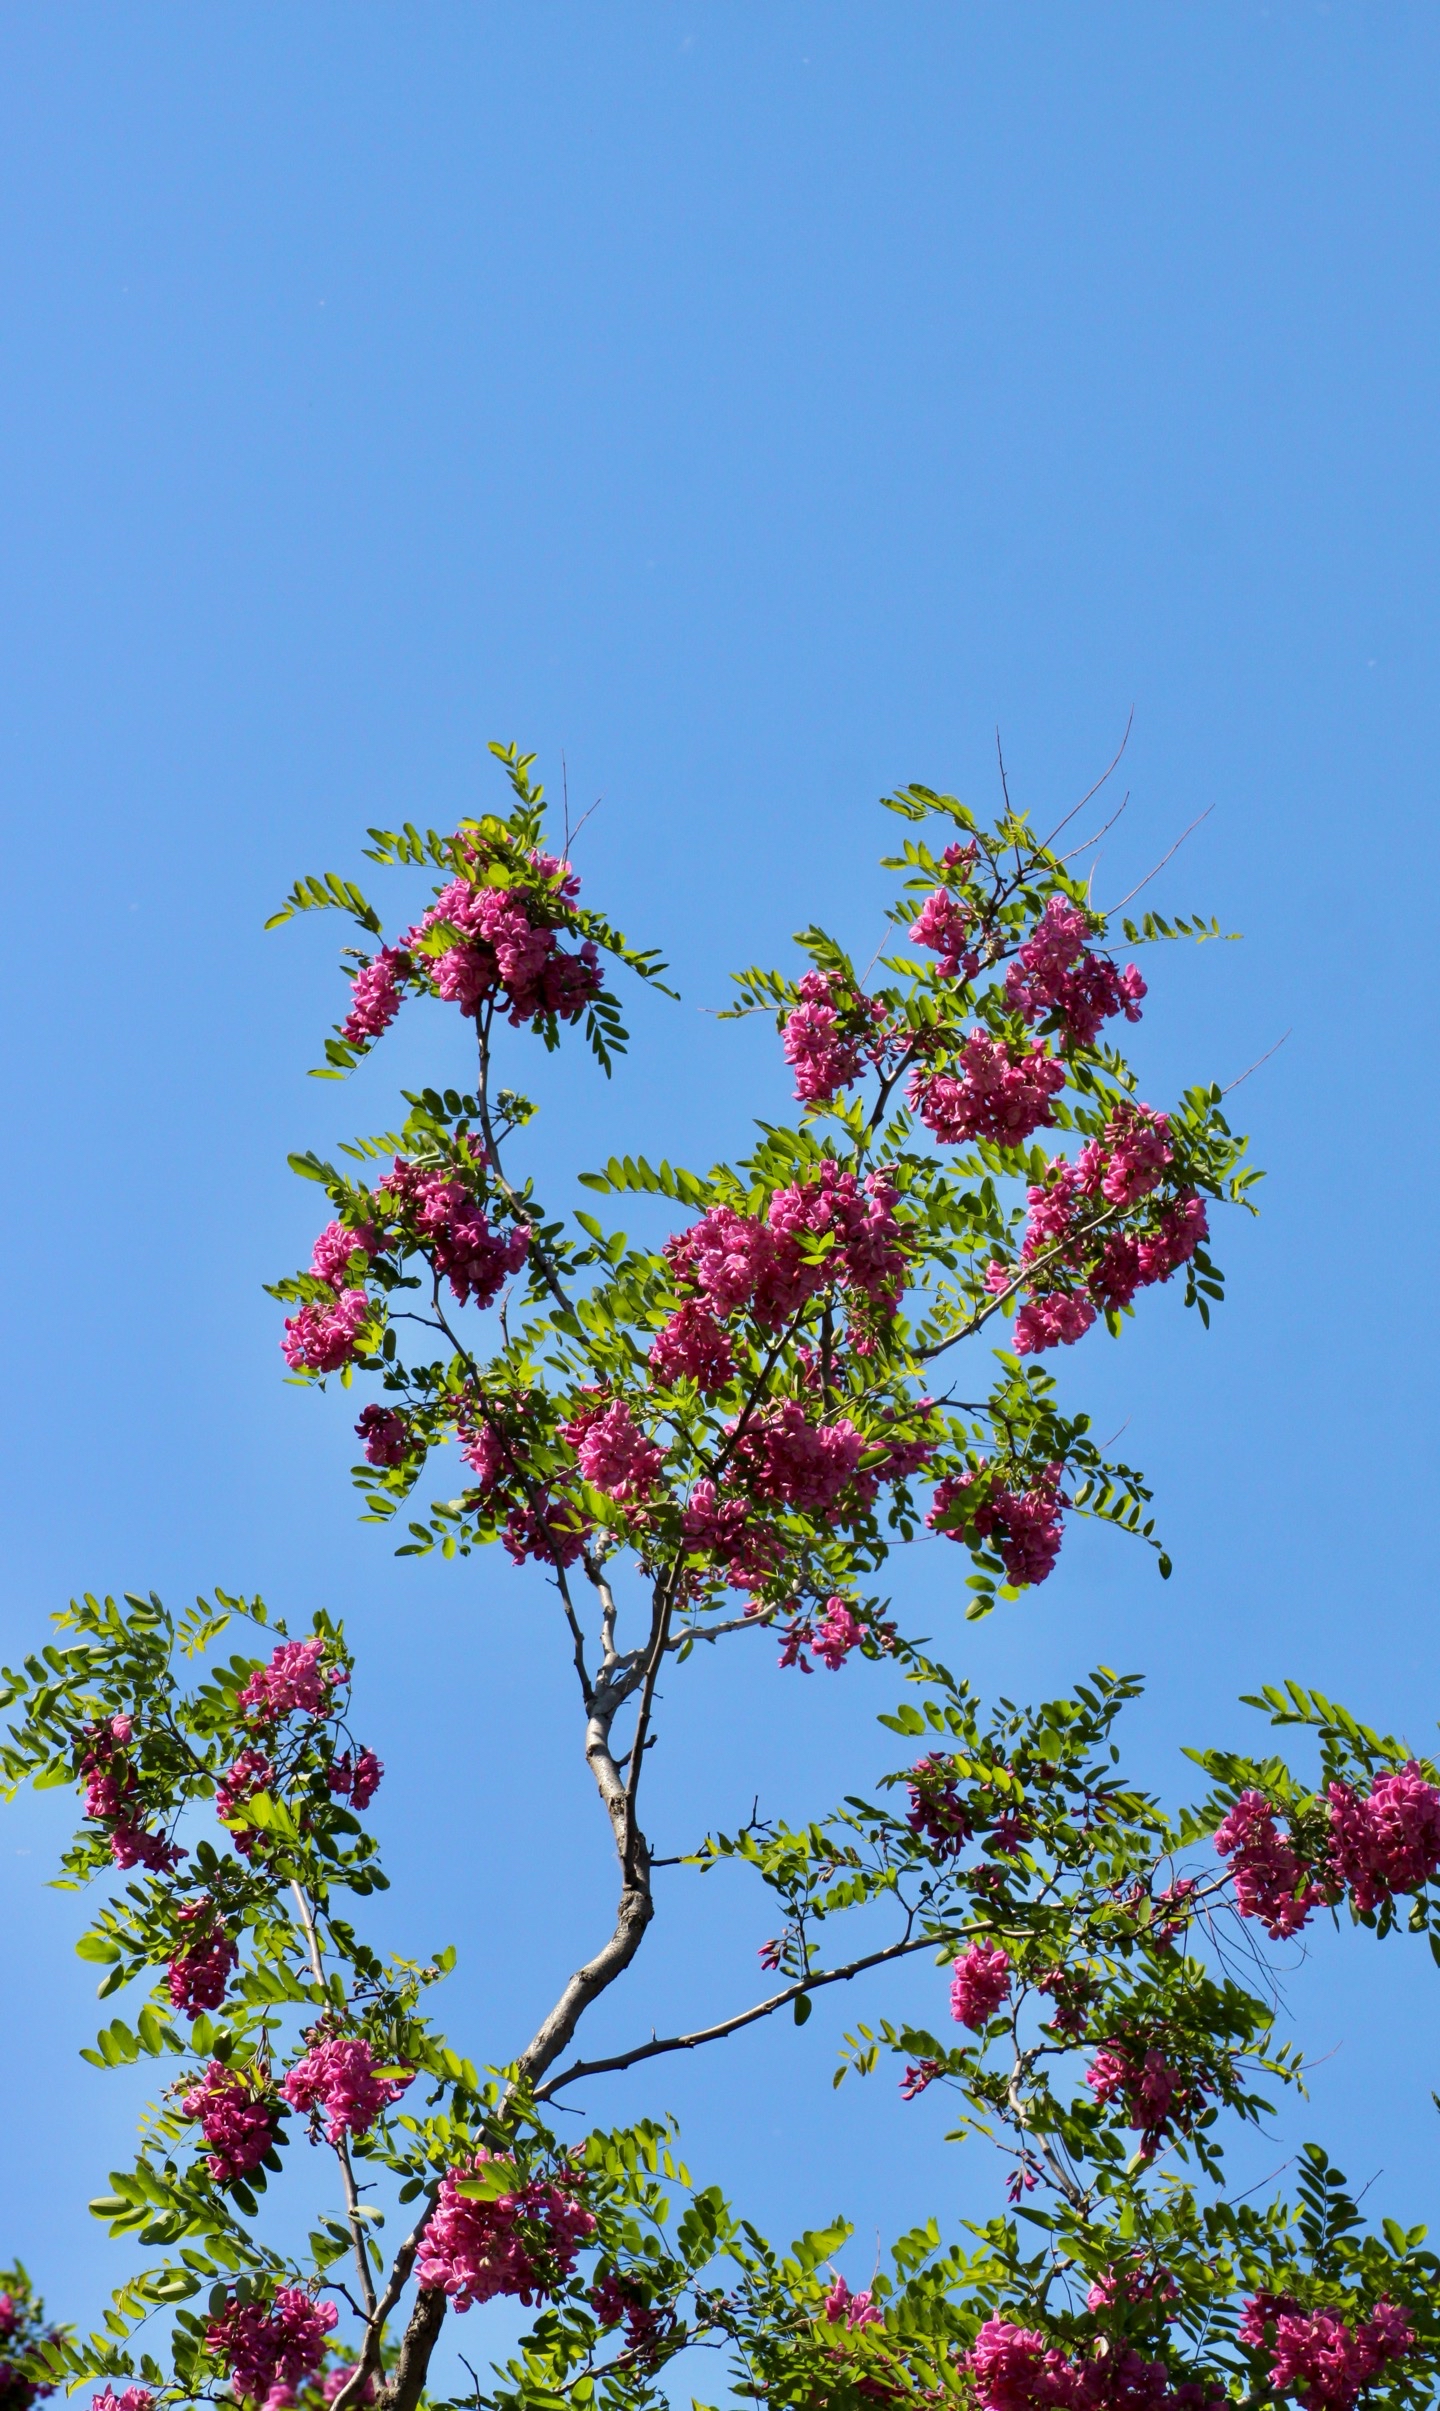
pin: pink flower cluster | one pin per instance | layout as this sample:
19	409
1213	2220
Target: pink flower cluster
838	1631
376	995
1318	2354
1143	2079
722	1529
336	2380
1271	1881
1054	1319
772	1268
1024	1525
1130	2286
1389	1843
1014	2369
1376	1847
112	1797
943	923
130	2398
842	2308
250	1773
522	2243
260	2347
197	1977
443	1217
237	2122
321	1337
1061	1234
385	1435
336	2079
356	1780
293	1684
1054	972
828	1038
692	1347
508	946
791	1462
613	2298
979	1985
935	1810
997	1094
613	1452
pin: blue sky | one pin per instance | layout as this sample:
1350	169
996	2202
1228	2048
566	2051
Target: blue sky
755	406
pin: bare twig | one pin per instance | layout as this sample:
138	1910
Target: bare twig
1110	909
1099	783
745	2017
1242	1077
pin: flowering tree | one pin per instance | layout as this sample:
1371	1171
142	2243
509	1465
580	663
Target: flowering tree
703	1443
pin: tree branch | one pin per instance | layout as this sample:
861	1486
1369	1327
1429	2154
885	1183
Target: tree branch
746	2017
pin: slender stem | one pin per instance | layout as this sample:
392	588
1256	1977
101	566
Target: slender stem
353	2219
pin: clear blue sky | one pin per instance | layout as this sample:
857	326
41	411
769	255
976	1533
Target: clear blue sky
758	404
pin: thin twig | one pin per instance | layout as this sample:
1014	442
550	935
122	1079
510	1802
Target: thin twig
1109	910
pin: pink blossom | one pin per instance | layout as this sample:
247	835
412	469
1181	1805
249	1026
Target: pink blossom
795	1463
1389	1843
336	2380
261	2347
197	1977
1125	2286
330	1258
1270	1879
837	1633
523	2242
613	2298
251	1772
1319	2355
376	995
1117	1273
1181	1229
485	1450
859	1216
132	1846
1129	1158
357	1782
294	1683
549	1529
1025	1525
1014	2369
336	2078
320	1339
131	2398
1148	2086
474	1258
1055	972
1052	1206
236	2121
722	1528
1055	1319
979	1985
824	1044
918	2079
853	2310
735	1261
935	1810
942	924
692	1347
385	1435
614	1453
996	1095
